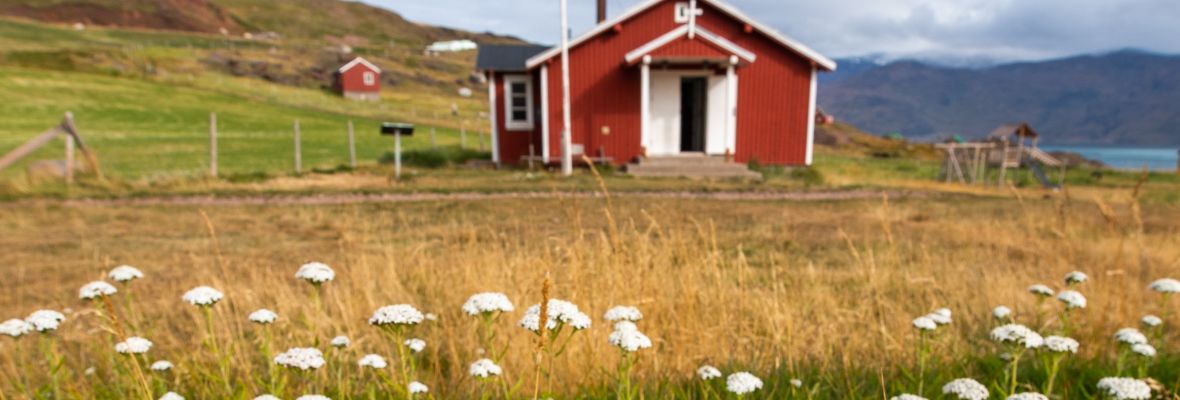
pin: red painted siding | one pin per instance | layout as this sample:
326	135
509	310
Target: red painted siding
353	80
688	48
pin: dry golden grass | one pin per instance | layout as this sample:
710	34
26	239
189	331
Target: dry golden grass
821	290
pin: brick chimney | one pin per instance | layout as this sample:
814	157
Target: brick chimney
601	11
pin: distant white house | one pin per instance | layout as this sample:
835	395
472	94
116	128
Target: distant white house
451	46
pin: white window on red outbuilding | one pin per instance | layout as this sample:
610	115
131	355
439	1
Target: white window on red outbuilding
518	102
370	78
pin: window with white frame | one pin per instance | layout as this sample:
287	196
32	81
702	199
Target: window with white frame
370	78
518	102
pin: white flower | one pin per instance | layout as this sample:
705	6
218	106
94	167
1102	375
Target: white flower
1060	344
263	316
88	371
1130	336
125	273
1075	277
45	320
417	387
1040	290
171	396
1152	321
559	312
266	397
416	345
340	341
1072	299
623	313
628	337
398	314
15	327
1125	388
133	345
1028	396
372	361
1001	312
796	383
203	296
303	358
941	316
966	389
707	372
316	273
1144	349
161	366
430	317
907	396
925	324
484	368
740	383
96	289
313	397
488	302
1166	285
1017	334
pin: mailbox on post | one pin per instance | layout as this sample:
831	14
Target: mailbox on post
397	130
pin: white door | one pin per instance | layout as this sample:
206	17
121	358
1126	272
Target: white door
665	114
715	122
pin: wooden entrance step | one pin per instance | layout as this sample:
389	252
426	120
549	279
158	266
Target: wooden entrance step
690	166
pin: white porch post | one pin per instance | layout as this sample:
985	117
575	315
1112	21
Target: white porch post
545	113
731	106
492	117
811	118
645	105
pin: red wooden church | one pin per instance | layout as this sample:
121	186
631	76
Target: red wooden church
359	79
664	78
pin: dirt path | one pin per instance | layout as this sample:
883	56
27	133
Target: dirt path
360	198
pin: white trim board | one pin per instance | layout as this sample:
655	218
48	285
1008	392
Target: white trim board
811	119
682	31
492	117
355	62
545	114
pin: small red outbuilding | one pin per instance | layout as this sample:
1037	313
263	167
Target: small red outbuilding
359	79
664	78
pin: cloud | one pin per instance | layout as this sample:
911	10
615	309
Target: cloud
995	29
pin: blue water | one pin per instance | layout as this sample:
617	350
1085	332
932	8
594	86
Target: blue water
1160	159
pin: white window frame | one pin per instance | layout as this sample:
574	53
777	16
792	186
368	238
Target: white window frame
681	13
509	122
369	77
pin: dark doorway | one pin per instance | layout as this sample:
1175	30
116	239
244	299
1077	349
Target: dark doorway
693	94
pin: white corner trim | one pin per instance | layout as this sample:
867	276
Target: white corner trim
509	124
355	62
811	118
492	117
645	103
683	31
731	103
545	114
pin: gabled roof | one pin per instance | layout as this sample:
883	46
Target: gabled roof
1021	130
806	52
357	61
505	58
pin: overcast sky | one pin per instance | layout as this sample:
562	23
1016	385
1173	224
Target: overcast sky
1001	30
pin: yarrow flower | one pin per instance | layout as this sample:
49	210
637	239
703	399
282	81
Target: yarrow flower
1130	336
1144	349
1166	286
133	345
263	317
907	396
45	320
1040	290
1072	299
171	396
1061	344
125	273
487	302
1017	334
941	316
623	313
1001	312
313	397
1152	321
484	368
707	372
628	337
796	383
203	296
373	361
316	273
398	314
416	387
303	358
416	345
966	389
96	289
15	328
741	383
266	397
1028	396
559	312
340	341
1075	277
161	366
925	324
1125	388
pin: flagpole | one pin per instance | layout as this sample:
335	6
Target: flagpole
567	159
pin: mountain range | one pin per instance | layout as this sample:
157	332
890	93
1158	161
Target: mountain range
1121	98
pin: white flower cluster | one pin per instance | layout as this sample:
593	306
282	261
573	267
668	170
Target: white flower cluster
313	397
133	345
397	314
263	316
1125	388
1028	396
1130	336
203	296
15	327
45	320
1040	290
941	316
628	337
559	312
484	368
125	273
1017	334
340	341
925	324
1061	344
96	289
487	302
303	358
416	345
1152	321
1001	312
171	396
315	273
966	389
623	313
741	383
907	396
1072	299
416	387
162	366
1166	285
373	361
1075	277
1144	349
266	397
707	372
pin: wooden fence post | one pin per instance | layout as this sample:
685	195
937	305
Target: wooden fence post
462	136
298	151
213	144
69	159
351	147
397	155
433	143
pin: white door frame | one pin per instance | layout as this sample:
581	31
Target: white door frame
660	137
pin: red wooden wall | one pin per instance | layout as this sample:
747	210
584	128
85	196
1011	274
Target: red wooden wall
353	80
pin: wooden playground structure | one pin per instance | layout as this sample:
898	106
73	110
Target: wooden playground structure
1011	146
73	140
